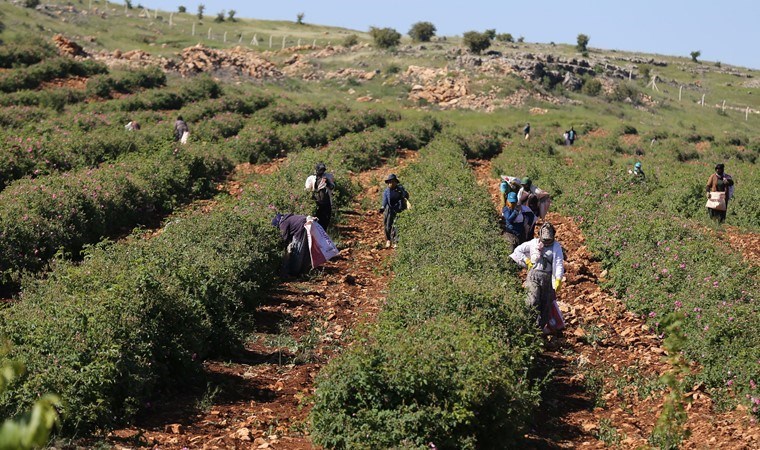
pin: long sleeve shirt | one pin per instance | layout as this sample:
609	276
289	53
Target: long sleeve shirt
548	259
292	226
393	198
513	221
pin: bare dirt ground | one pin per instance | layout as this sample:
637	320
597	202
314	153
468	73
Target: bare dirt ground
604	391
259	399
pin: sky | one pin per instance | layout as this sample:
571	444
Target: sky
725	31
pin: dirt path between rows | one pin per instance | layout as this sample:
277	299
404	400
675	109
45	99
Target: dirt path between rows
260	398
604	391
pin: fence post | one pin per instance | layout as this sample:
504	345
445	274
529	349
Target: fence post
155	13
125	8
270	41
680	88
225	37
746	114
703	100
171	15
209	33
255	40
299	42
193	28
241	38
723	108
283	42
314	43
630	74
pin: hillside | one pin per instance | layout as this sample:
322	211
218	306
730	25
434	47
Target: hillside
144	283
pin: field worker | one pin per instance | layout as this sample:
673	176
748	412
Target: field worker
529	223
526	131
571	136
132	126
719	190
534	197
638	172
180	128
545	263
321	185
394	201
507	185
513	221
293	234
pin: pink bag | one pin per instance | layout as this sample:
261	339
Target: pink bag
321	248
556	320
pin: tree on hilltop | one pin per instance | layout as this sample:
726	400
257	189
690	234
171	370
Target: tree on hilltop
476	41
299	18
582	45
694	55
422	31
201	8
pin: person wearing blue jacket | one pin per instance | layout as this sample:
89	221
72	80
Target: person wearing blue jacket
513	221
394	201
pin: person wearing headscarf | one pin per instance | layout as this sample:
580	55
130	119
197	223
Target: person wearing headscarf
544	260
180	128
507	185
394	201
513	221
638	172
537	199
720	182
321	185
293	234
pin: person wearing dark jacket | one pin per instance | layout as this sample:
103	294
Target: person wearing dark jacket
293	233
321	185
180	128
394	201
719	182
513	221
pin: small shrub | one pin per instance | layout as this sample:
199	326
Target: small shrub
231	15
182	9
505	37
591	86
219	17
476	41
422	31
350	40
385	37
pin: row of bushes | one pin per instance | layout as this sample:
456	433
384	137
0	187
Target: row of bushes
105	85
86	140
69	210
31	77
26	52
136	319
447	364
659	260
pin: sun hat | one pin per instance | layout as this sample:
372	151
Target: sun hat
526	181
637	165
512	197
391	177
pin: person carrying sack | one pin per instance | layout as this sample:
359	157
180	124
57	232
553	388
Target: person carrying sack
513	221
321	186
181	130
395	200
544	260
719	188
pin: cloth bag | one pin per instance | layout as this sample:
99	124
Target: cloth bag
556	319
321	248
717	201
184	138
